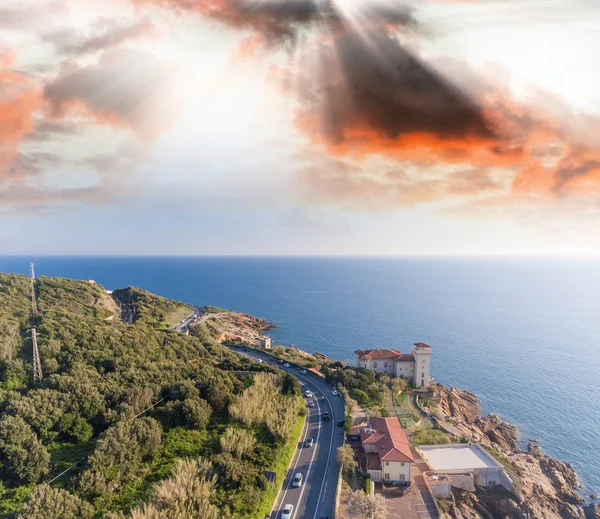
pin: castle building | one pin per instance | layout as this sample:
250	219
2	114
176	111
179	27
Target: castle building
414	367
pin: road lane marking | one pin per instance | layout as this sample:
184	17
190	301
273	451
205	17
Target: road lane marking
328	455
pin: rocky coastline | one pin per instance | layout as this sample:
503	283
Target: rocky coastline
545	488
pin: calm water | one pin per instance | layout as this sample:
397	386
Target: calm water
523	334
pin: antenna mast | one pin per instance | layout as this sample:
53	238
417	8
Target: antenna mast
33	303
37	365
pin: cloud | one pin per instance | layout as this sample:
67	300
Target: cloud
282	21
20	98
125	87
33	15
108	33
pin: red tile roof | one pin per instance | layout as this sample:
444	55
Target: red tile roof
390	439
384	354
316	372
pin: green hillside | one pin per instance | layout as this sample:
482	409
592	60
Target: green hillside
130	417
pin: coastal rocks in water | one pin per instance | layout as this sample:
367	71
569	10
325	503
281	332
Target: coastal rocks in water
592	511
545	488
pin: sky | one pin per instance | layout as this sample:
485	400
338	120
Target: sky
323	127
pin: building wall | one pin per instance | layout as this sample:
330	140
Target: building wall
440	488
406	370
395	471
378	365
422	369
375	475
464	481
488	477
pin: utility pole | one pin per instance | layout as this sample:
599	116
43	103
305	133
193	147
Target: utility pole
33	303
37	365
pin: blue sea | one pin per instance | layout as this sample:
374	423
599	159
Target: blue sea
523	334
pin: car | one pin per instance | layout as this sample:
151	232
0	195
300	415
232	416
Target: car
287	365
287	512
279	361
245	349
325	416
297	479
308	393
304	372
334	392
259	360
311	404
309	442
340	423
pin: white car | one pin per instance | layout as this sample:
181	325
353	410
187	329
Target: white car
287	365
308	394
304	372
259	361
287	512
334	392
297	480
311	404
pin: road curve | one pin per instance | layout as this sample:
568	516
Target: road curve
318	464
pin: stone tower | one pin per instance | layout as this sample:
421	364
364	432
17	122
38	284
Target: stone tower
422	369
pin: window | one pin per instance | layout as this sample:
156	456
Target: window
401	477
422	374
374	364
387	476
492	482
402	464
387	463
385	364
423	361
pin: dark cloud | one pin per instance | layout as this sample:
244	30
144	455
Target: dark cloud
277	21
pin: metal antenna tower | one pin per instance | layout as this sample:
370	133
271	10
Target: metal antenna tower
33	303
37	365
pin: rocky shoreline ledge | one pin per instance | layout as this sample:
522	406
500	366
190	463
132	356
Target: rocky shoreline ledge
546	488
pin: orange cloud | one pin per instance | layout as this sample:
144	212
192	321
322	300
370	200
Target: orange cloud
20	98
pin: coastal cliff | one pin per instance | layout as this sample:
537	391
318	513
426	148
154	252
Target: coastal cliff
545	488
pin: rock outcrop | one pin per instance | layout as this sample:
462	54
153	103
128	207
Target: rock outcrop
545	488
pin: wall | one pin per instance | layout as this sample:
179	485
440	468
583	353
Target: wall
396	470
464	481
440	488
405	369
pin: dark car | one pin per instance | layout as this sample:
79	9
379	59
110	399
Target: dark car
325	415
340	423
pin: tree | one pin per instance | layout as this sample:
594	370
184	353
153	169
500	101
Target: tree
24	457
197	412
46	502
345	456
371	506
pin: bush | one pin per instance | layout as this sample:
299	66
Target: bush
46	502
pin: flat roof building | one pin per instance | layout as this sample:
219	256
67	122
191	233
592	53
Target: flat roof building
465	461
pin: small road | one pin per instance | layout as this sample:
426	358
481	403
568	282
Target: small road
182	326
318	464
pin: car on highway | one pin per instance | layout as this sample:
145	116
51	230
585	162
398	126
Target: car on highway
334	392
259	361
279	361
311	404
340	423
287	512
308	394
287	365
298	479
325	415
309	442
304	372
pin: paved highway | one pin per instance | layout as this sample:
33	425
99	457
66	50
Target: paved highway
188	321
317	464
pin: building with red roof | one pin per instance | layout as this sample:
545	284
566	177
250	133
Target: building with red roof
387	450
414	367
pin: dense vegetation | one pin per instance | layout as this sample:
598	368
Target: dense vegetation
365	386
130	419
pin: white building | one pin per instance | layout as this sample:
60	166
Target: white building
414	367
462	465
265	342
387	450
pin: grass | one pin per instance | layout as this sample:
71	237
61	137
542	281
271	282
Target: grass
407	414
64	455
425	435
12	499
268	497
216	310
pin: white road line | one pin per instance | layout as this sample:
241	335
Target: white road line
333	425
296	456
312	458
